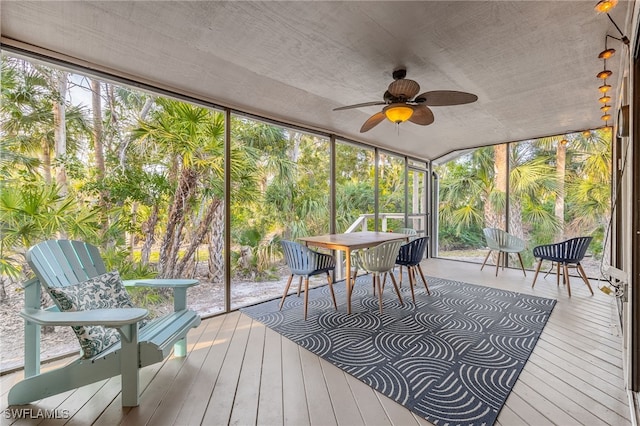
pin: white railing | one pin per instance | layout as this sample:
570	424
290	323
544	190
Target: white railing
416	221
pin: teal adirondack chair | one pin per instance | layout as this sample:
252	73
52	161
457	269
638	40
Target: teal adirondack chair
62	265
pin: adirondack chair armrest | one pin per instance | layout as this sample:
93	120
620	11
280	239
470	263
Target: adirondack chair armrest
115	318
178	285
161	283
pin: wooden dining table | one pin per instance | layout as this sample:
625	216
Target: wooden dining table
348	242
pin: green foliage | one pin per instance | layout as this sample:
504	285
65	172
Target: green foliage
280	180
467	186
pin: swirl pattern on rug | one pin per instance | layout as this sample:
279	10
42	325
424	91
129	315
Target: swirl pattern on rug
452	357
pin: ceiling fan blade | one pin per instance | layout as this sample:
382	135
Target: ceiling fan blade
445	97
360	105
372	122
422	115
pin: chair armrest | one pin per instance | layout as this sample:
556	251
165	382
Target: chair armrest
33	281
179	287
161	283
115	318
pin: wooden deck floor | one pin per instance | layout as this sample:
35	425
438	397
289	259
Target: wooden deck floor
239	372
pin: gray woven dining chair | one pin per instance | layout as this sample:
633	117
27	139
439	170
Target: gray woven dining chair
305	262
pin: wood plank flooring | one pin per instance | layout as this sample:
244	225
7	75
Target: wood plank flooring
239	372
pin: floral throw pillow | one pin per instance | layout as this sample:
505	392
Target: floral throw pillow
101	292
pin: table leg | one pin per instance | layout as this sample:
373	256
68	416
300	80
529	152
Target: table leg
347	279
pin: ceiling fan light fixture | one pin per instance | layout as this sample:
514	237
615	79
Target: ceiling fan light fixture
604	74
607	53
398	112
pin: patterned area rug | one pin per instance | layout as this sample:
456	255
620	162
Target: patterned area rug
452	357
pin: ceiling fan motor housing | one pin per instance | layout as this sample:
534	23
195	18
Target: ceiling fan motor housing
399	73
404	89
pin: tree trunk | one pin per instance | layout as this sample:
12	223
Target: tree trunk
122	154
216	245
149	229
59	129
96	106
500	170
3	290
199	236
561	159
493	217
98	148
515	217
45	158
168	252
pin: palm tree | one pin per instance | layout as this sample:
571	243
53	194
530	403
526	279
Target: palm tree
33	212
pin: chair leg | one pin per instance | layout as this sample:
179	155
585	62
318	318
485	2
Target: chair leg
286	290
485	259
584	277
412	279
426	286
333	295
566	278
395	285
535	277
376	283
498	262
521	264
306	295
299	285
558	274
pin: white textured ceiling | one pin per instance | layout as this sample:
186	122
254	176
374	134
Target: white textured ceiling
531	63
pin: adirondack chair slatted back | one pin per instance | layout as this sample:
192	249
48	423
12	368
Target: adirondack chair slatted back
569	251
59	263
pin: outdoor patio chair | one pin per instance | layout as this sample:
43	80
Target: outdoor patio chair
115	338
305	262
504	243
377	261
409	231
410	255
565	254
413	234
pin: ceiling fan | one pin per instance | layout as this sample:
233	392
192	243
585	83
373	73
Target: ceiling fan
402	104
